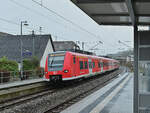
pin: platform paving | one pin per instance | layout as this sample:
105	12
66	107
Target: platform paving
116	97
20	83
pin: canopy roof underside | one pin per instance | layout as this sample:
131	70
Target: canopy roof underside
116	12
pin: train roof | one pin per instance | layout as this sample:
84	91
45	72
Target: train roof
58	52
92	56
80	54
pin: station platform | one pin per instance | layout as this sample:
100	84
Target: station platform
22	88
115	97
20	83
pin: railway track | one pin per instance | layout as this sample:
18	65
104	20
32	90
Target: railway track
10	103
59	106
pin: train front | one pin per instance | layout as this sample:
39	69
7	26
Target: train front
54	66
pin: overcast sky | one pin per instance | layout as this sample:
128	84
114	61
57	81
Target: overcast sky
71	24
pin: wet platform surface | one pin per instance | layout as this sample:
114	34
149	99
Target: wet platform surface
116	97
123	101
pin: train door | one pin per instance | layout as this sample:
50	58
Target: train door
74	66
90	66
101	62
104	65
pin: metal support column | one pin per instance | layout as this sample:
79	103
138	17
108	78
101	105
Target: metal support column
136	58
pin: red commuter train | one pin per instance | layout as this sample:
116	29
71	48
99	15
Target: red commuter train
63	66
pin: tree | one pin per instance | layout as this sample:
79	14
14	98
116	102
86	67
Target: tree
32	67
31	64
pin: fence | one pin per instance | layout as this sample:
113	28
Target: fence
7	77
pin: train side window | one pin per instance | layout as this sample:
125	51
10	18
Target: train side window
90	65
93	64
99	64
104	64
81	64
74	59
86	65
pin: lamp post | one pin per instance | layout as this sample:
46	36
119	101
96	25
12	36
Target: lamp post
21	44
23	23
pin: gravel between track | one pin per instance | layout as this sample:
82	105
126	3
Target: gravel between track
40	105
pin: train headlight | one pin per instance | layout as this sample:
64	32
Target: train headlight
66	71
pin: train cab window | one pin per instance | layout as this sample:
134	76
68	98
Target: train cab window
55	62
93	64
86	65
74	59
81	65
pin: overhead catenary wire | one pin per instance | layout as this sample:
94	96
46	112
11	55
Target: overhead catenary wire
124	44
61	17
13	23
74	24
67	20
34	11
9	21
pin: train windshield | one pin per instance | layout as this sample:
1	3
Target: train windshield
55	62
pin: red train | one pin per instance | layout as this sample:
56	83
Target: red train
62	66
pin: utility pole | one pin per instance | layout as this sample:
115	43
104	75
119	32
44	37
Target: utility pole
40	30
99	42
124	44
55	38
41	2
83	46
21	44
33	46
94	47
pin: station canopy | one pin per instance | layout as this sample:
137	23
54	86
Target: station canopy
116	12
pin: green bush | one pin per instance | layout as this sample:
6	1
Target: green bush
32	67
27	64
36	62
8	65
31	64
